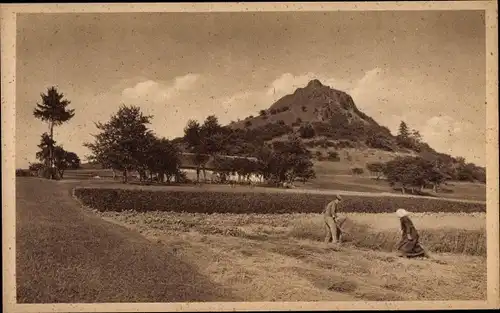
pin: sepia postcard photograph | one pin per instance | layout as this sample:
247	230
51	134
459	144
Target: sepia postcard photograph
250	156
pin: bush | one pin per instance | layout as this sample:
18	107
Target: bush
104	199
47	172
22	172
357	171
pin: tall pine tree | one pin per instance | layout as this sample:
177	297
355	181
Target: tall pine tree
54	112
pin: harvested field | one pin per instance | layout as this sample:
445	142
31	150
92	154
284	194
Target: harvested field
281	258
365	231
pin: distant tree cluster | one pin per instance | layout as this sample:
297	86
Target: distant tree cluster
285	161
243	167
409	139
332	156
55	160
357	171
281	161
340	127
126	144
376	169
413	172
280	110
418	172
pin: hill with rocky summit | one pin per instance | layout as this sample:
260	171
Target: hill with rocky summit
331	127
322	116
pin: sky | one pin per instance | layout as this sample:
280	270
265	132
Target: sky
424	67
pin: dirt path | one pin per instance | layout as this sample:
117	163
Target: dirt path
66	255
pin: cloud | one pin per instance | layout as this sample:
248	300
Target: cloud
152	91
440	130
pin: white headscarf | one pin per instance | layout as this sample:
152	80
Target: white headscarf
402	212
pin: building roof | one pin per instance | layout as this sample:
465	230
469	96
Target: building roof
187	160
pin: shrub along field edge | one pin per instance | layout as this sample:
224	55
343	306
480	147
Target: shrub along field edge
110	199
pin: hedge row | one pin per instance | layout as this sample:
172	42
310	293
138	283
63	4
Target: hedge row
118	200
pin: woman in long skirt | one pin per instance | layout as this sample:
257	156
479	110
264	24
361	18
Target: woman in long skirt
409	245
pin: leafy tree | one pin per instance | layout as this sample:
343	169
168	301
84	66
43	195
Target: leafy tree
415	134
123	141
162	158
306	174
412	172
285	161
470	172
376	168
53	110
64	160
35	167
224	167
357	171
206	140
436	175
244	167
266	159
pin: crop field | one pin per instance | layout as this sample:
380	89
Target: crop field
241	202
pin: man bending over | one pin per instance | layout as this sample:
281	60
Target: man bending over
331	221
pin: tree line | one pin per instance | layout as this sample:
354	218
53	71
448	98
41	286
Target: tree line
125	144
416	172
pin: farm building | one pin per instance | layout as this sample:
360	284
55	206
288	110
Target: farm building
188	165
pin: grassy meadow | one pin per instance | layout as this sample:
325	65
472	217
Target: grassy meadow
333	176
